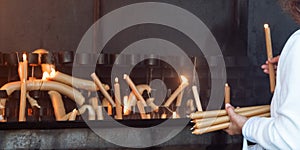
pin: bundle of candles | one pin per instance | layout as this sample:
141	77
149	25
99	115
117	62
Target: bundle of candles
209	121
214	120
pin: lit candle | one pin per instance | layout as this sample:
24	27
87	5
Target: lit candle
118	99
270	56
134	89
227	93
163	116
24	68
182	86
102	89
126	108
197	98
73	81
73	115
174	115
106	104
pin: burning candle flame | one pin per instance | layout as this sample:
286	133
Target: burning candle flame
184	79
266	25
52	73
24	57
46	75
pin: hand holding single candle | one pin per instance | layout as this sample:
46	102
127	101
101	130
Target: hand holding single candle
270	56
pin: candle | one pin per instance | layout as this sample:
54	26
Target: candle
46	86
99	113
106	104
179	98
182	86
141	109
163	116
91	111
270	56
103	91
118	99
197	98
58	105
126	108
72	81
73	115
216	113
213	121
227	93
150	103
134	89
24	68
174	115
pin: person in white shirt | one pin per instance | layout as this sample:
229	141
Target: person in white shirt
282	129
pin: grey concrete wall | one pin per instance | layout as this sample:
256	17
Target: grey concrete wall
86	139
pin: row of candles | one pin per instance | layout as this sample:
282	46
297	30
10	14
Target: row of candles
89	85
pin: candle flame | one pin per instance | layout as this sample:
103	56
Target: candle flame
266	25
52	73
125	101
226	84
45	75
24	57
184	79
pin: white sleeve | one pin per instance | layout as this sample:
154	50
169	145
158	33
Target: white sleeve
282	131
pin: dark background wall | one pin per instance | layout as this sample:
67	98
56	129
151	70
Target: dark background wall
53	25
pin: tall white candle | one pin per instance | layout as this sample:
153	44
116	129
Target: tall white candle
197	98
118	99
23	78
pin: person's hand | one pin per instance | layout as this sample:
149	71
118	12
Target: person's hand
274	61
236	121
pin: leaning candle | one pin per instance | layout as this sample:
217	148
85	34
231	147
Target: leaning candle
182	86
118	99
134	89
227	93
24	67
73	81
103	91
197	98
270	56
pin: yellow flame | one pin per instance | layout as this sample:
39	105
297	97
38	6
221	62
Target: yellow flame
45	75
24	57
184	79
52	73
266	25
